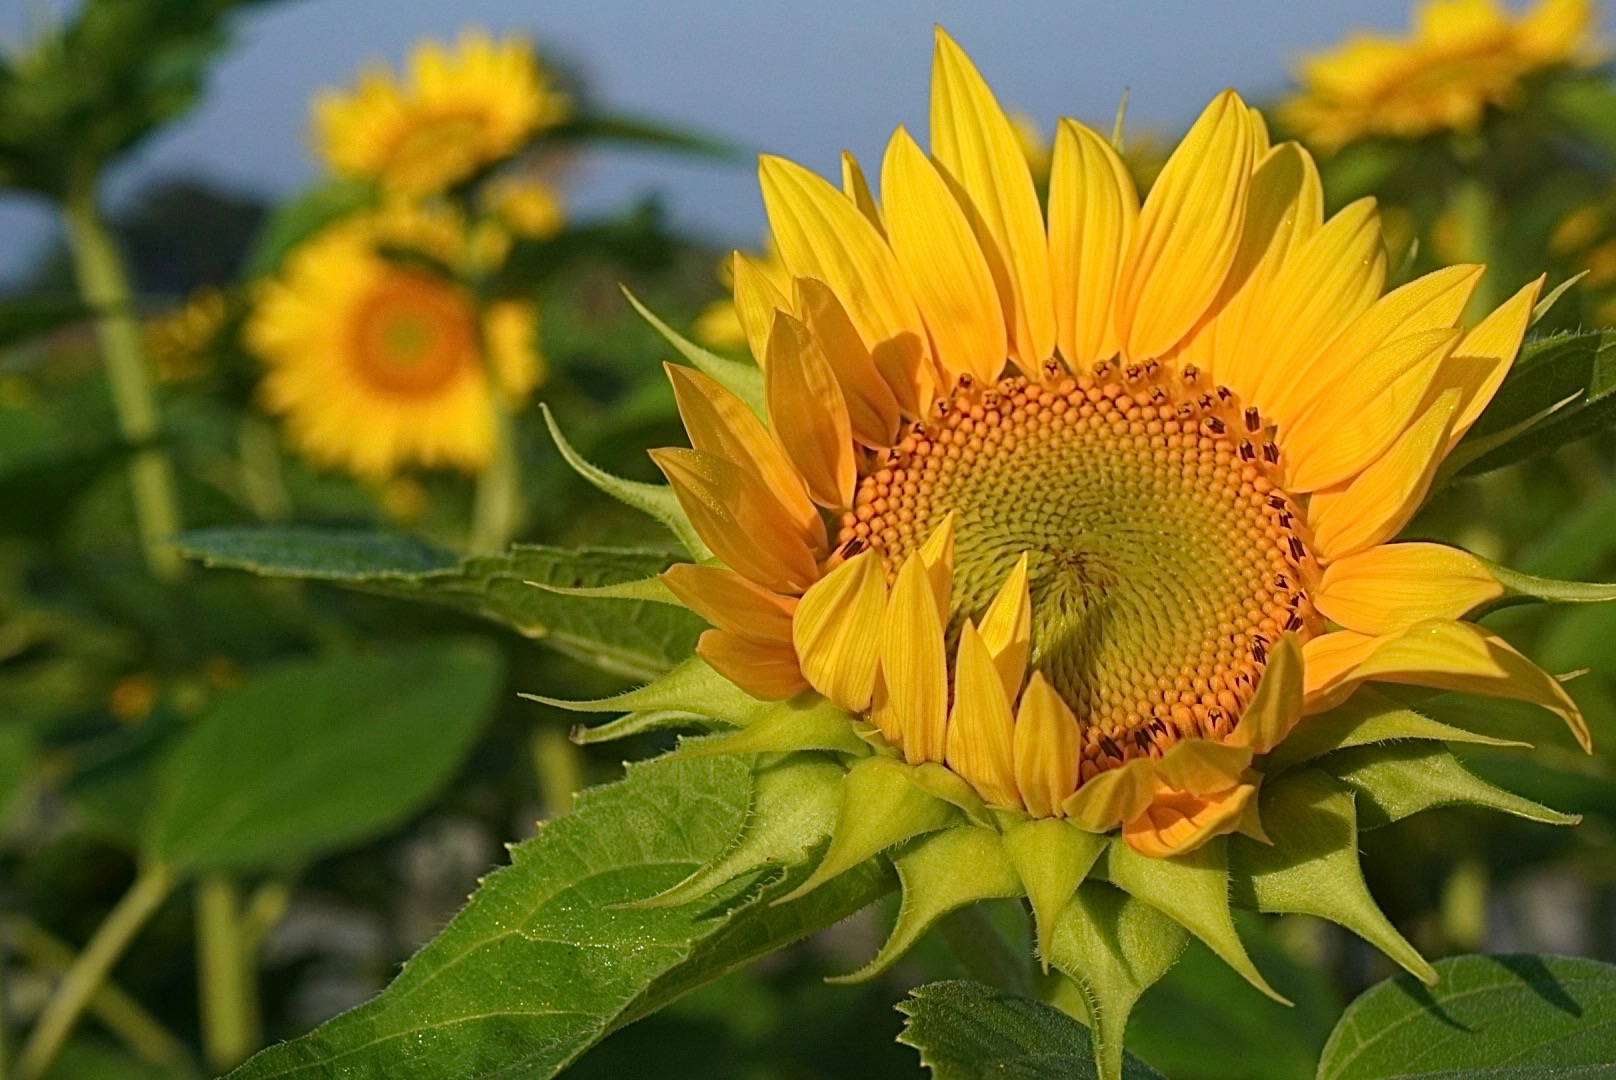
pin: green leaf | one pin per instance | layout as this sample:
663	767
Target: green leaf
320	755
296	221
637	131
967	1031
638	639
546	960
1398	780
1365	718
1516	1017
16	761
1523	421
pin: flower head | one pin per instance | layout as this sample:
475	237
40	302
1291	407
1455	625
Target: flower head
1462	57
457	111
378	363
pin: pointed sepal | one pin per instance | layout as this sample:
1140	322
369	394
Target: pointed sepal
1114	948
652	589
805	723
743	380
1396	781
1312	866
1365	718
880	806
1052	857
941	872
692	687
1193	889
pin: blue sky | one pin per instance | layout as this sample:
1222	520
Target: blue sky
800	79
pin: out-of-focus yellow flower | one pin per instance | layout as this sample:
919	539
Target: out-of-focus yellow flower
525	206
378	363
1034	144
180	343
1461	57
132	697
458	110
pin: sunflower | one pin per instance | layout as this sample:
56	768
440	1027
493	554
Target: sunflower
458	111
377	361
1463	56
1067	534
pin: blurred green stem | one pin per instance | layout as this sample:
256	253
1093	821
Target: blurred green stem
983	951
105	287
1464	906
144	1036
559	767
1473	208
151	887
227	980
497	508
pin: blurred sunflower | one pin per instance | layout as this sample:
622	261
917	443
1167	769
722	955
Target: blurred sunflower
1463	56
458	111
180	343
378	358
1089	482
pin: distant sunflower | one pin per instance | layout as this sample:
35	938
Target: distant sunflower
1088	482
458	111
1463	56
378	363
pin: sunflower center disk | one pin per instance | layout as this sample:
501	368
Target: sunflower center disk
413	335
1163	560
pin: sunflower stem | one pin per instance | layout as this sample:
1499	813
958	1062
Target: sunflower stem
983	951
226	977
558	764
1473	209
151	887
497	510
104	285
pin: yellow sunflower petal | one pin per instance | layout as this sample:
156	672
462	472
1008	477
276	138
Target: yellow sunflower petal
1188	232
937	555
981	730
914	667
736	515
1276	706
1202	766
871	408
1007	628
821	234
837	631
1045	749
765	670
1373	507
1110	798
808	414
951	281
855	187
757	298
719	423
1393	586
730	602
1176	822
1485	355
1093	211
977	147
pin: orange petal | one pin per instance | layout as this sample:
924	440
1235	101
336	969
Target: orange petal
1045	749
719	423
1203	766
735	514
1393	586
730	602
1093	211
837	631
1176	822
766	671
976	146
947	271
808	413
980	728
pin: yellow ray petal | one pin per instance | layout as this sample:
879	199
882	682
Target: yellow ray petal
837	631
1393	586
871	408
1277	704
1045	749
1176	822
730	602
821	234
757	298
1373	507
1327	661
735	514
1189	230
947	271
808	414
914	666
1332	279
719	423
1093	211
855	187
1112	797
1354	424
937	555
980	729
1485	355
1463	657
1427	303
1007	628
1202	766
764	670
976	145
